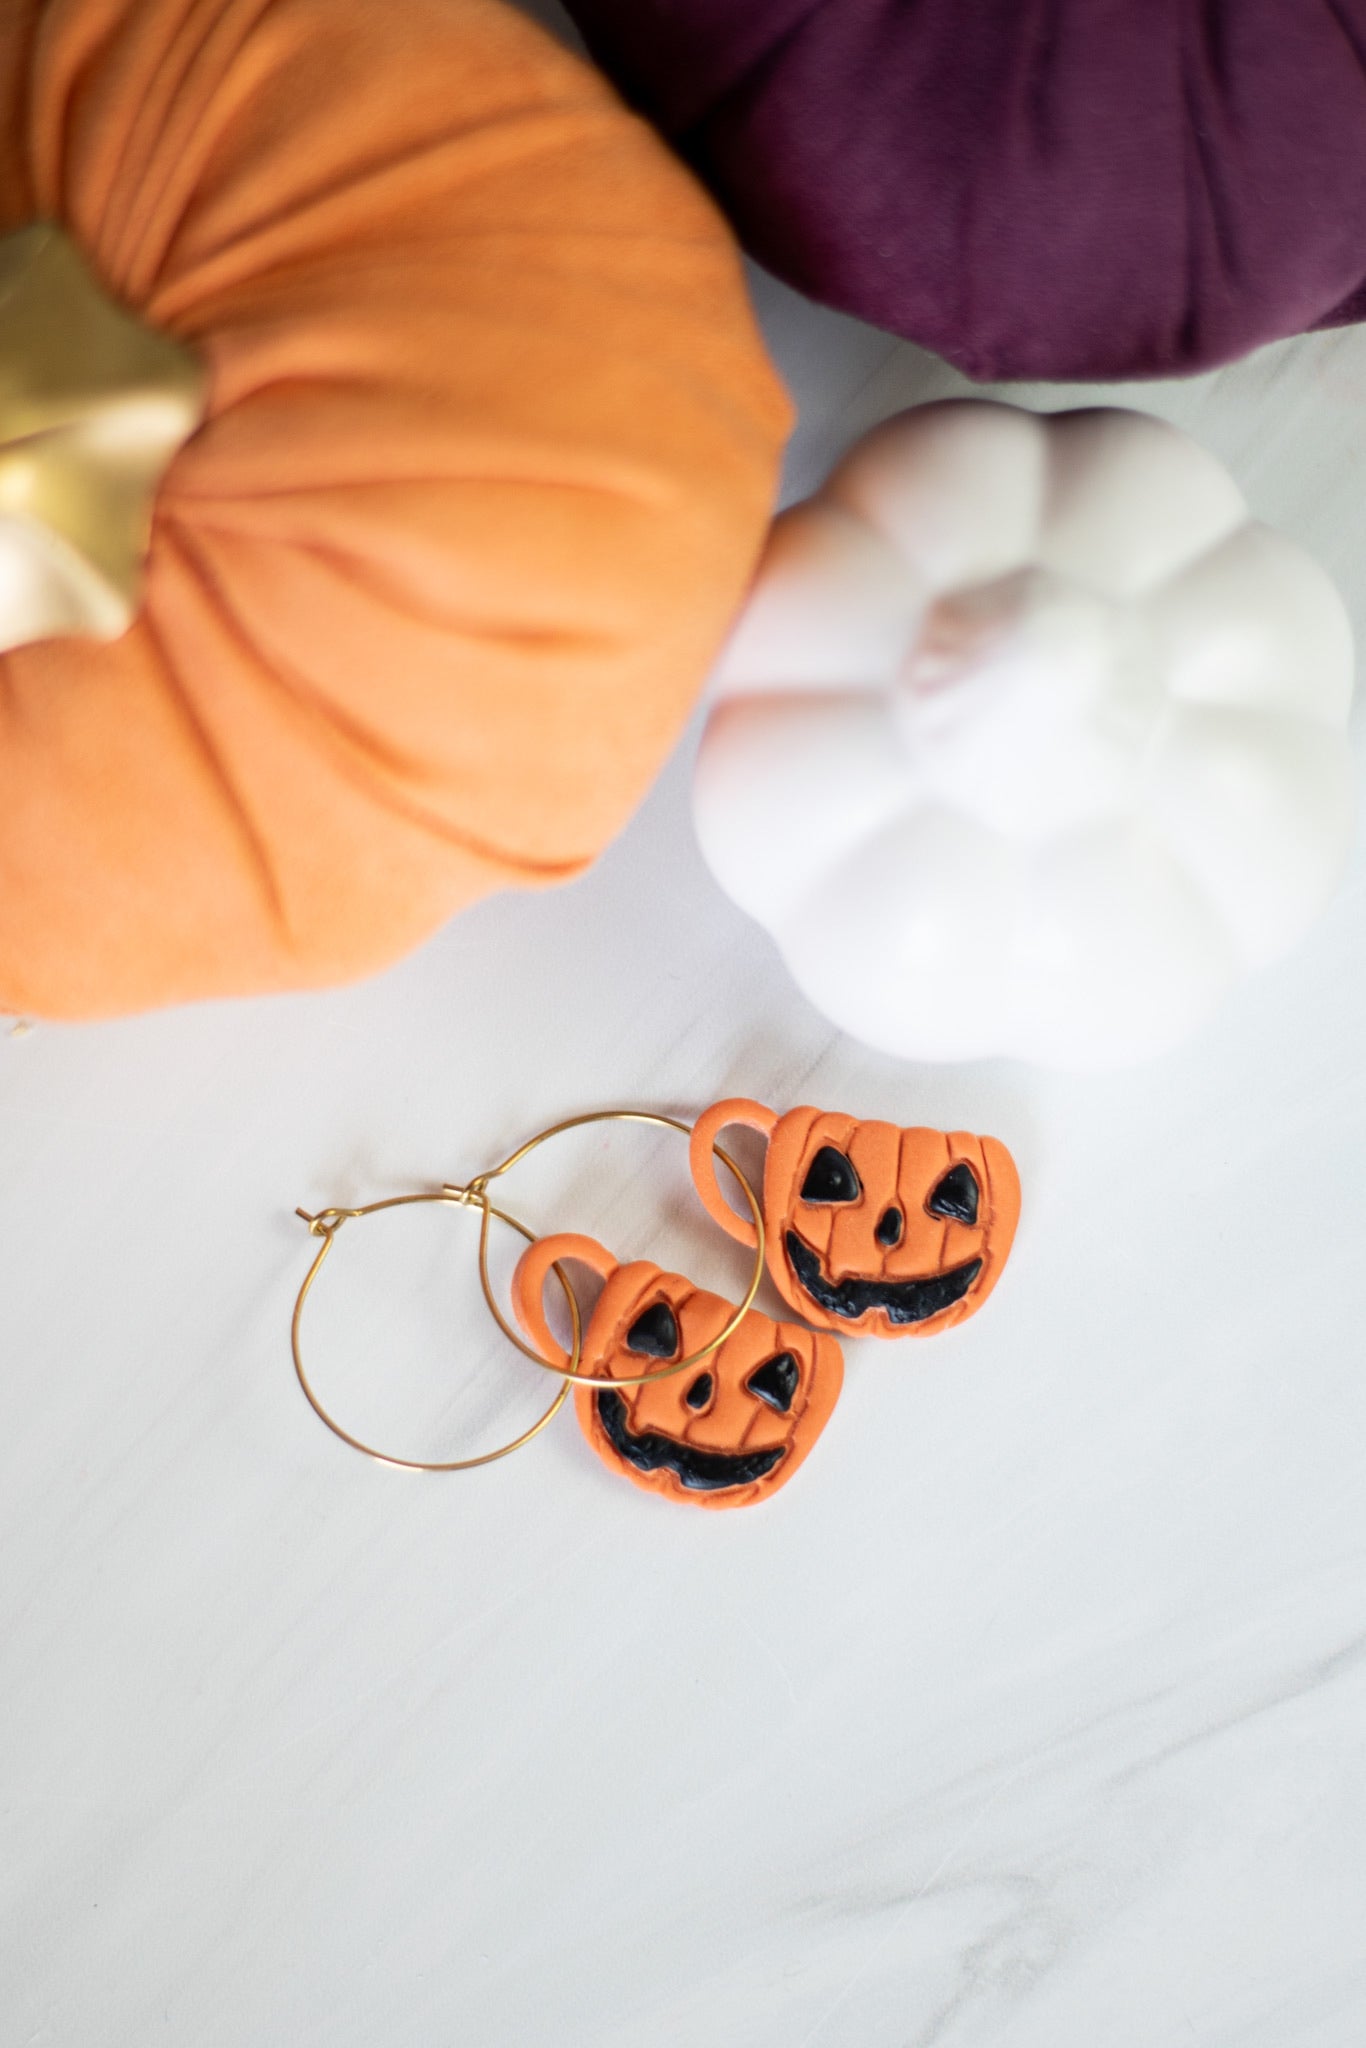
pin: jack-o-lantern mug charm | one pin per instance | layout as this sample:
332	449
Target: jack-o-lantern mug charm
871	1229
727	1433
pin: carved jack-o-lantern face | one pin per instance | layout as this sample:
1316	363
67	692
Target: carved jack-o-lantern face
729	1431
872	1229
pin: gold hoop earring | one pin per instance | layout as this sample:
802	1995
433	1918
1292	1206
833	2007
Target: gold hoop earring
326	1224
476	1191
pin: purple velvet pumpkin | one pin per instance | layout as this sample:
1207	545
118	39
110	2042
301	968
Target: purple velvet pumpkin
1035	188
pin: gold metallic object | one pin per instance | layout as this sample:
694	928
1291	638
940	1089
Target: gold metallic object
93	405
325	1225
474	1195
477	1191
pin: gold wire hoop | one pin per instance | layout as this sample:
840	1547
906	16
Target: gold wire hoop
476	1191
325	1225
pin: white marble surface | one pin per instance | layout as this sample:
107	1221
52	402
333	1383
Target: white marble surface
1034	1713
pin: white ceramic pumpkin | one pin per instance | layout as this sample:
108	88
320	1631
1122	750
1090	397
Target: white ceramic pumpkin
1030	740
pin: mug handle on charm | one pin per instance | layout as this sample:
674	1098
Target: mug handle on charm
703	1154
534	1268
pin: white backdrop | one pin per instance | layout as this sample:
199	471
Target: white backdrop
1031	1714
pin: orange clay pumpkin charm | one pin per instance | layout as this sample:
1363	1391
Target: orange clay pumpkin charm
873	1230
724	1434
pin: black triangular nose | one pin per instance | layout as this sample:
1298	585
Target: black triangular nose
889	1227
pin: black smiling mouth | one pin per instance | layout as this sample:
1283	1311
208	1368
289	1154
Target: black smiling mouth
702	1471
901	1301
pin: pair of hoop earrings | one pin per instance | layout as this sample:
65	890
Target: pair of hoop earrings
865	1229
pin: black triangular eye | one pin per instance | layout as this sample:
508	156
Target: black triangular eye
775	1381
654	1334
956	1195
830	1178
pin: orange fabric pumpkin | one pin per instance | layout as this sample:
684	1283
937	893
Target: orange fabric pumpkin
870	1229
489	450
725	1434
